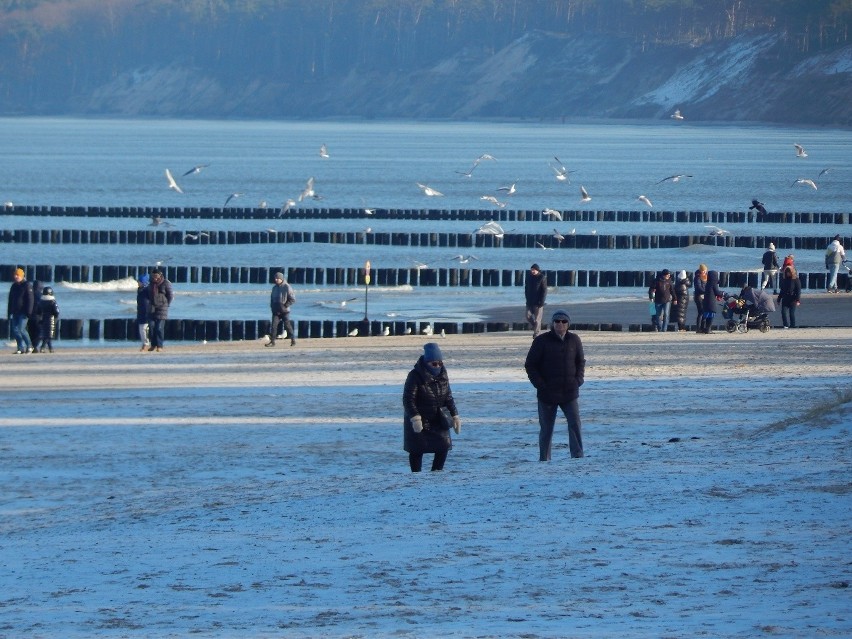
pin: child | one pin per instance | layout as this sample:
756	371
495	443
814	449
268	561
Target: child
143	311
48	310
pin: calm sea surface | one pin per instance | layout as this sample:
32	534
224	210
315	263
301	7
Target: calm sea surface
114	163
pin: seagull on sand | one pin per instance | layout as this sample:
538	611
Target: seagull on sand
353	332
494	201
172	183
407	331
584	195
676	115
231	197
715	231
428	190
674	178
645	200
553	214
196	169
386	331
562	174
323	152
805	182
800	151
427	330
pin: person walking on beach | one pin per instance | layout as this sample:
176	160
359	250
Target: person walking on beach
160	294
429	410
19	310
699	283
556	367
790	297
280	301
34	321
770	269
834	257
535	291
681	292
48	311
661	293
143	311
712	296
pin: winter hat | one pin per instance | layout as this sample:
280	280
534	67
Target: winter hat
666	272
145	279
771	246
681	275
560	314
432	353
19	272
535	267
279	276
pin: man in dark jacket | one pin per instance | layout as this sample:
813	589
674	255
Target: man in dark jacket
770	269
661	293
161	296
556	367
19	310
280	301
535	291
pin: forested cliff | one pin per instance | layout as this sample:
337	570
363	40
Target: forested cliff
786	61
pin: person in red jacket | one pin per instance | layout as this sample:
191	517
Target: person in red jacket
556	366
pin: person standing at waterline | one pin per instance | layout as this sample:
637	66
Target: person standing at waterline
535	292
161	296
425	396
556	366
19	310
280	301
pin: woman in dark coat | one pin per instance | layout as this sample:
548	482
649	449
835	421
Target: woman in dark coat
681	290
790	296
712	295
699	281
426	392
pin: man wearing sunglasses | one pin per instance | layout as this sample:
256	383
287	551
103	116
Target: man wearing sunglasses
556	367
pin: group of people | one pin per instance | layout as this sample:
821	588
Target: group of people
33	313
154	296
555	365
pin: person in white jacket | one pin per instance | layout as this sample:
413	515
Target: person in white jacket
834	257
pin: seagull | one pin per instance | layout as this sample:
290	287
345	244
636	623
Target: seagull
464	259
196	169
674	178
805	182
715	231
645	200
491	228
386	331
559	237
231	197
484	157
343	303
194	236
443	333
823	172
428	190
353	332
553	214
308	191
584	195
369	211
510	190
262	204
289	204
172	183
8	205
543	247
676	115
493	200
800	151
420	265
323	152
562	174
407	331
427	330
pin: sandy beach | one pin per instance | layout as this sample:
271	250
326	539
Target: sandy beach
230	490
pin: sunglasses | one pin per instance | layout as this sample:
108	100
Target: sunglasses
560	321
436	364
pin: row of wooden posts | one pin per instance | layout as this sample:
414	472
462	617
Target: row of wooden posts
472	215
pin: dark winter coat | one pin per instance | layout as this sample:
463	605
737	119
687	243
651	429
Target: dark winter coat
48	310
681	290
143	305
791	291
711	292
770	261
661	291
535	288
21	299
161	296
556	367
425	394
281	299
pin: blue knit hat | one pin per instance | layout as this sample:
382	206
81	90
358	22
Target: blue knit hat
144	280
432	353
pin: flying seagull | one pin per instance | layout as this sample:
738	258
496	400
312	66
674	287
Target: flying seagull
172	183
553	214
676	115
289	204
464	259
559	237
674	178
562	174
823	172
542	246
323	152
800	151
493	200
645	200
491	228
308	191
510	190
196	169
584	194
805	182
481	158
428	190
715	231
231	197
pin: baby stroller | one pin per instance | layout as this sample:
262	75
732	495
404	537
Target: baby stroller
749	310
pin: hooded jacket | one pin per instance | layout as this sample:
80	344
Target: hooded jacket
425	394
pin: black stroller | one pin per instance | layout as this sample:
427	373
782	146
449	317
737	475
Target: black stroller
749	310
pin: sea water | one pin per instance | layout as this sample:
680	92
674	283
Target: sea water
121	163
